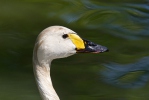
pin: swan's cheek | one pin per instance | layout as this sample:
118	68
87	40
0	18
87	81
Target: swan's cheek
73	49
69	50
72	52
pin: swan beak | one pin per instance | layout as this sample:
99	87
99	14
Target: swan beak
86	46
91	47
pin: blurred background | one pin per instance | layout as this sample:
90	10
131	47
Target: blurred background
120	74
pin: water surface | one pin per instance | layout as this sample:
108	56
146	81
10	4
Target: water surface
122	26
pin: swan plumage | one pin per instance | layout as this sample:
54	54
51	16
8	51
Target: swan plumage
52	43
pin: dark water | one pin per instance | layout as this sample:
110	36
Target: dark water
122	26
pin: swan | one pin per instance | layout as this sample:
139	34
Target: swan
52	43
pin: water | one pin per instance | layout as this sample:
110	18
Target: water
121	74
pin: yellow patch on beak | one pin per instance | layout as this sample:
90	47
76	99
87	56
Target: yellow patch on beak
77	41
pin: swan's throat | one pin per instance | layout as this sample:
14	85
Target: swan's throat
42	74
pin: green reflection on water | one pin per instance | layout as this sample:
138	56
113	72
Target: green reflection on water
121	26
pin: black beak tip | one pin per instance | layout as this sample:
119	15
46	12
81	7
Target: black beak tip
102	49
107	50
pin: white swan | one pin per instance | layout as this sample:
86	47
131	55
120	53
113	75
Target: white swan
52	43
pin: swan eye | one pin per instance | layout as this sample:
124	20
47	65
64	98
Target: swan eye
65	36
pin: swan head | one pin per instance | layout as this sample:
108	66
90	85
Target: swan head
59	42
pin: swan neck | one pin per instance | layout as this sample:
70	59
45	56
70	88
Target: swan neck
43	79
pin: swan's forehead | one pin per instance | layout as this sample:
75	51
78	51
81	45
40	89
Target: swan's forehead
59	30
